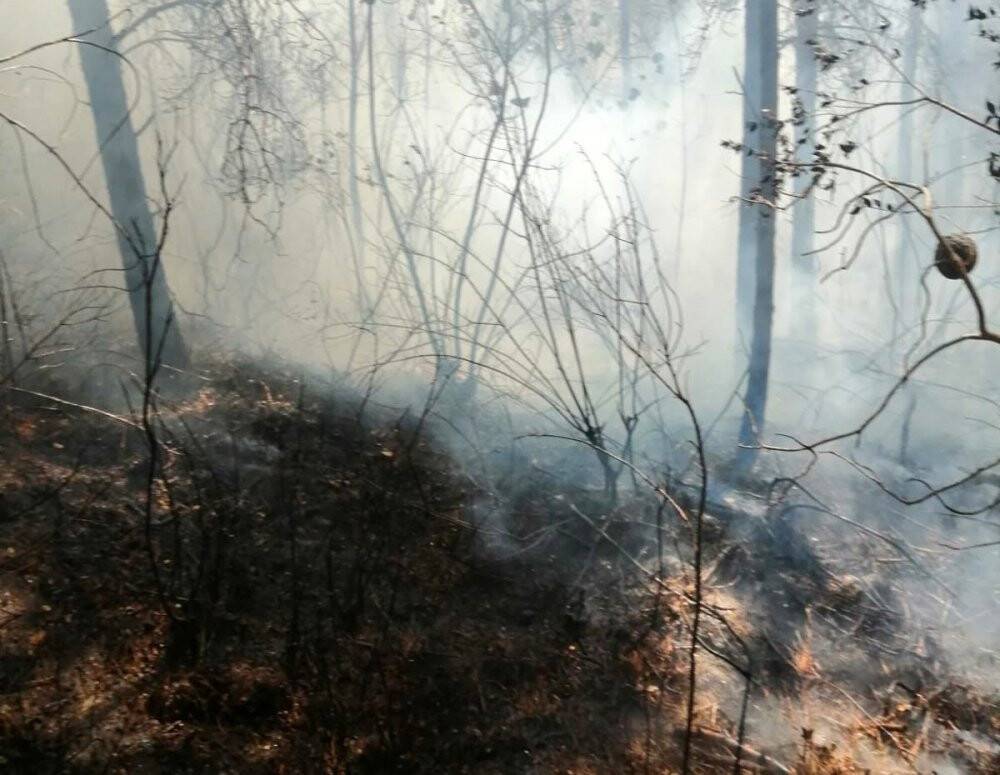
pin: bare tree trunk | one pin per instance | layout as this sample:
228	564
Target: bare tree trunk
357	216
906	269
953	69
399	227
750	174
765	24
145	278
905	274
805	268
6	340
625	45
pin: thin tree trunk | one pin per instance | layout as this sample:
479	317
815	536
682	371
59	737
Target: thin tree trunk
750	173
805	267
906	269
766	25
357	216
145	277
625	45
399	227
6	341
905	274
954	83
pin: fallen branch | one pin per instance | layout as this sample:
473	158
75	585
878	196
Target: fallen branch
74	405
748	756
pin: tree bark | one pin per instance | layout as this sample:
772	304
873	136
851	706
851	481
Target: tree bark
805	268
762	21
907	270
625	45
145	277
354	191
750	169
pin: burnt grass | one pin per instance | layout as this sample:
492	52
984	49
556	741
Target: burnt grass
320	603
303	583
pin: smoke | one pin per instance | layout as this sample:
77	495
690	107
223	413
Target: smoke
377	225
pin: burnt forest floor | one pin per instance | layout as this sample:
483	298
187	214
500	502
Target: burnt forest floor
259	581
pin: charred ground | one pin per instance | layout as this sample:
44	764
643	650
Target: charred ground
295	587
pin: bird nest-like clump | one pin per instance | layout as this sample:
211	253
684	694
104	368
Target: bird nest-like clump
962	255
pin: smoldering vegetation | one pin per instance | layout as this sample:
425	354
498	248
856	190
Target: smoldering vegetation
506	386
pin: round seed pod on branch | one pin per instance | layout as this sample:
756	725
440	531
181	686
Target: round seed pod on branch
962	254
